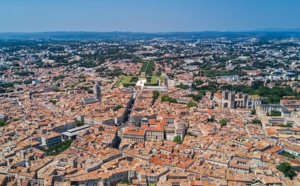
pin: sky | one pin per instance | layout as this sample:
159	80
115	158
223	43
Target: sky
147	15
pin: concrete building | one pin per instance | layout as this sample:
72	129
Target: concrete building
50	139
64	127
253	101
267	108
71	134
134	134
229	77
150	130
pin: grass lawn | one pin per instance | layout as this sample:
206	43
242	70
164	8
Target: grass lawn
163	79
148	67
118	83
151	81
58	148
144	66
127	81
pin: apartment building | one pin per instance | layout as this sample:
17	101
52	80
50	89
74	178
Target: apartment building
51	138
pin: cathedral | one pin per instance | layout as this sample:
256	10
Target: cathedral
232	100
96	97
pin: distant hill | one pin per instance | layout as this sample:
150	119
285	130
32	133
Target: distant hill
279	30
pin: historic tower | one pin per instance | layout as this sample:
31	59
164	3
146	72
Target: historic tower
228	99
231	100
97	91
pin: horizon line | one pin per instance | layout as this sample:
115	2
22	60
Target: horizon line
158	32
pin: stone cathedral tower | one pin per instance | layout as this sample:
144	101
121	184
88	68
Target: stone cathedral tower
97	91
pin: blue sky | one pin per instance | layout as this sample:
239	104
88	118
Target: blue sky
147	15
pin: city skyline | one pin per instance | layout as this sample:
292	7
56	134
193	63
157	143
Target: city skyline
149	17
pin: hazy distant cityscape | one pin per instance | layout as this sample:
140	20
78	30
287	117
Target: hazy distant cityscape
150	93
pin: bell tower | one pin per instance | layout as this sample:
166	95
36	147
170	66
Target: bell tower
97	91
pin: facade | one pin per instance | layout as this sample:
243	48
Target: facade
134	134
97	91
253	101
292	104
154	130
65	127
170	132
289	131
240	165
52	138
267	108
229	99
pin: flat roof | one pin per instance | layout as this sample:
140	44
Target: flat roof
78	128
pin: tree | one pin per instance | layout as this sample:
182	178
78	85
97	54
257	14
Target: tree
126	181
177	139
2	123
155	94
198	82
117	107
266	101
158	73
253	112
256	181
289	155
274	113
190	134
28	81
78	123
211	119
257	84
223	122
55	78
287	170
164	98
182	86
196	97
191	104
256	121
53	101
167	98
58	148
